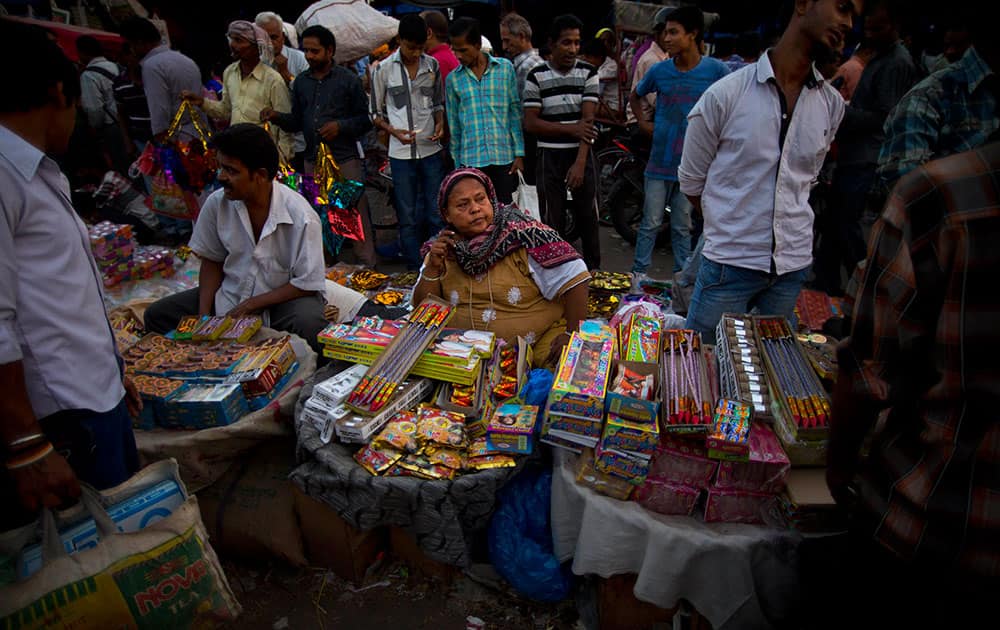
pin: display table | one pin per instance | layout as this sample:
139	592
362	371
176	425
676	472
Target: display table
440	515
736	576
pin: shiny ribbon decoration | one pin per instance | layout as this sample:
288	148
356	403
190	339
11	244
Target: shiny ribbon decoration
175	124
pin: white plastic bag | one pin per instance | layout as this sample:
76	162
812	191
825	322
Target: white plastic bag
526	198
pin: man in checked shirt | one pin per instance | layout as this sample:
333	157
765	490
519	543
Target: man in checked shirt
924	346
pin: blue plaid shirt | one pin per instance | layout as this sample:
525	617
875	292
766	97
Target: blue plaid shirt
484	115
951	111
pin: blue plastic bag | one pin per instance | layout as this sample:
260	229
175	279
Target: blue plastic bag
520	539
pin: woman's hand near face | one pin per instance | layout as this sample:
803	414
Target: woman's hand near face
435	263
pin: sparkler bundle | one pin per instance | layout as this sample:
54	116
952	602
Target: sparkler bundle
384	376
687	394
796	386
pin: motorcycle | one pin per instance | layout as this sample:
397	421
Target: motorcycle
625	176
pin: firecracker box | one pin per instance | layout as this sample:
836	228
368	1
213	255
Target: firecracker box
259	402
766	470
581	381
635	438
358	429
204	406
444	396
737	506
608	485
729	436
632	468
682	461
259	371
779	399
665	497
511	428
335	390
631	408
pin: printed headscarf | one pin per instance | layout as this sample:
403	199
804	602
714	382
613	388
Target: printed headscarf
255	35
510	231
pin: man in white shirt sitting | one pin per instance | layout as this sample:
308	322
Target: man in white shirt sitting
754	144
260	244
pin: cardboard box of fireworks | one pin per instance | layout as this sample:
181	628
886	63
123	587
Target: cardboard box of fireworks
574	411
795	388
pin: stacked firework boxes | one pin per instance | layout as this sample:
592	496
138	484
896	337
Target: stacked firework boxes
112	246
119	258
214	383
574	411
631	432
454	356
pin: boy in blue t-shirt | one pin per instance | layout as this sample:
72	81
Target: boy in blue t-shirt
678	83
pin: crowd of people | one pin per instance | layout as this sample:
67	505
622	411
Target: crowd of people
763	157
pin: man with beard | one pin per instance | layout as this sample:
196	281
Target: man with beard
754	144
260	245
329	105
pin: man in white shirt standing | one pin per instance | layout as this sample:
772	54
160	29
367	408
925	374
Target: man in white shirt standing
755	142
260	244
63	392
407	101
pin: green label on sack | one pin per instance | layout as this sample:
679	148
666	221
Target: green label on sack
170	585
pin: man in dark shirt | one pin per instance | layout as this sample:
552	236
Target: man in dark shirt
329	105
886	78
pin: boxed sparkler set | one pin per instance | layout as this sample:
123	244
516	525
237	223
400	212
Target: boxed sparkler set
688	394
797	390
382	379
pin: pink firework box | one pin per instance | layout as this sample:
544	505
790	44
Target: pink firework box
665	497
682	461
765	472
737	506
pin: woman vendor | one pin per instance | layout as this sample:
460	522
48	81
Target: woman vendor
504	272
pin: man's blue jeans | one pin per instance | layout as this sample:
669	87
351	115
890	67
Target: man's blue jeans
416	184
727	289
658	193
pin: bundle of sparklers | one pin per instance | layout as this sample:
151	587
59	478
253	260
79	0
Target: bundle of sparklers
382	380
687	394
796	382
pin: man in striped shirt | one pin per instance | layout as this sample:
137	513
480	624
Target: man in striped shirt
560	99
